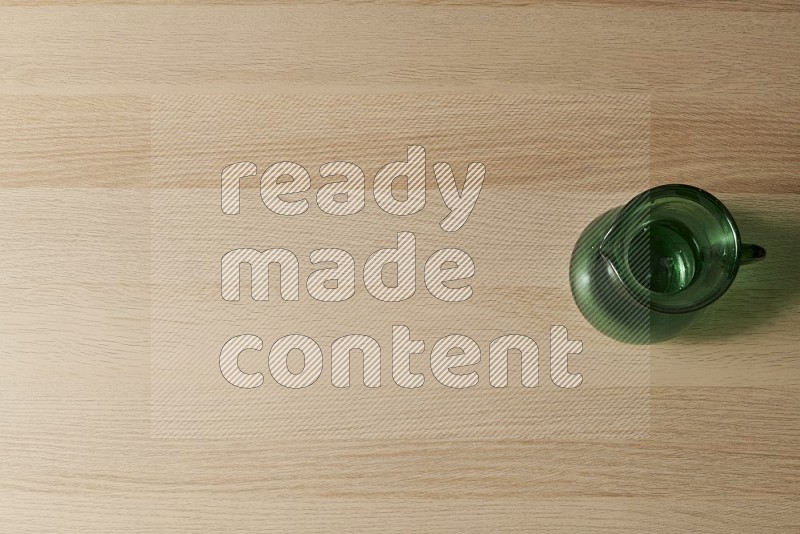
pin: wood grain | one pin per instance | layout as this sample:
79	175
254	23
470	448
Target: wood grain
75	118
321	50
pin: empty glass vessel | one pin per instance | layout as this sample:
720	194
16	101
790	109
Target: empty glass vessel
643	272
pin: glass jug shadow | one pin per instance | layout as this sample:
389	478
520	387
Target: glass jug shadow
643	272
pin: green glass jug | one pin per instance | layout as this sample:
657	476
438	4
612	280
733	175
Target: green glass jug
643	272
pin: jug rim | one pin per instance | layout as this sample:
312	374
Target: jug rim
647	296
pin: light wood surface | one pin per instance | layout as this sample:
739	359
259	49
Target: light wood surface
77	449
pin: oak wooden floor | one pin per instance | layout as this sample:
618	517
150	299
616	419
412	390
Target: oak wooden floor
76	81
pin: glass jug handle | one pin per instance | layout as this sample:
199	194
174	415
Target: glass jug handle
752	253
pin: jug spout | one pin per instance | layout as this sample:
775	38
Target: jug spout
626	247
618	244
